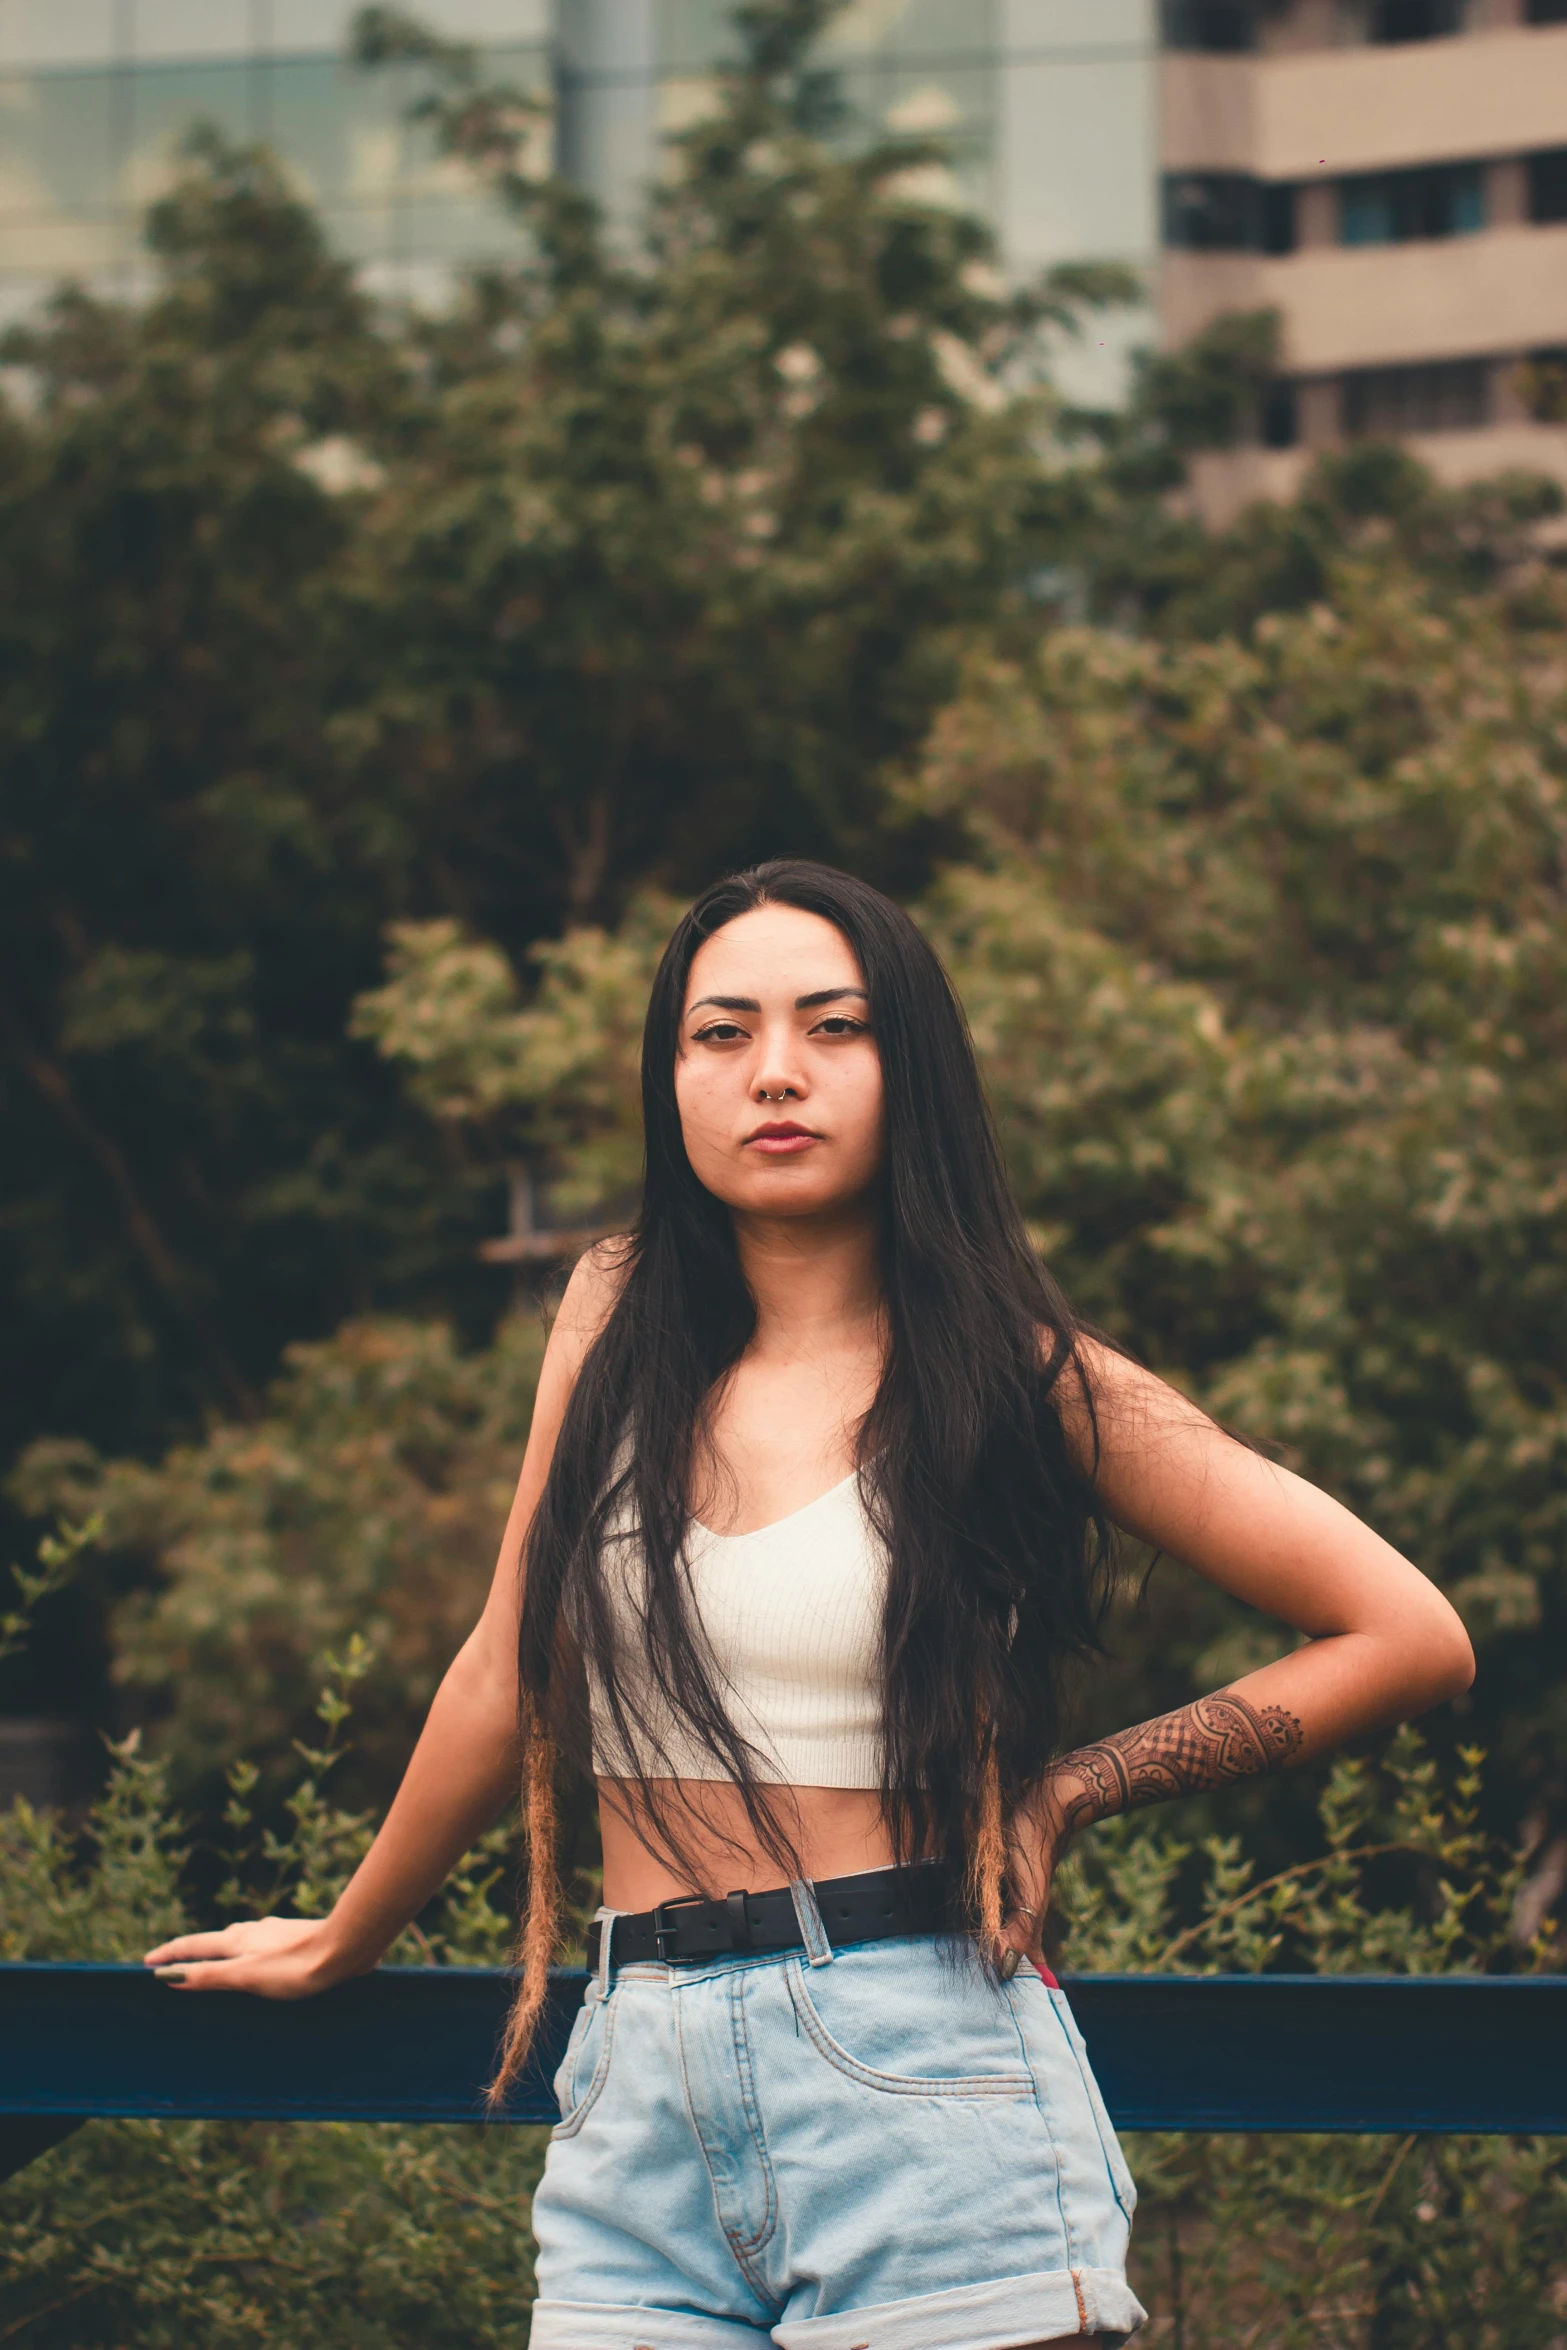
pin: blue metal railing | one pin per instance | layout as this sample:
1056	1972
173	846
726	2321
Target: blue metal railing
415	2044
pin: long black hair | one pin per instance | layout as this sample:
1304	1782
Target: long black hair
997	1573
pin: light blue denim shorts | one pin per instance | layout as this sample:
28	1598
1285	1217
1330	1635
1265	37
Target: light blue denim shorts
874	2148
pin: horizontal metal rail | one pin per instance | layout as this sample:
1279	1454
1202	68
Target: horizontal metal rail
1458	2053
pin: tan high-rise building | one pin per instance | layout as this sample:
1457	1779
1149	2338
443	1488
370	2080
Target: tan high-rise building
1391	177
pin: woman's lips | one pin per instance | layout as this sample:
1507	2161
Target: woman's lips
781	1141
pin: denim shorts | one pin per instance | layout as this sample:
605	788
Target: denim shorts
875	2148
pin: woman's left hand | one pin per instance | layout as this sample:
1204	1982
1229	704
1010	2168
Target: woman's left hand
1039	1842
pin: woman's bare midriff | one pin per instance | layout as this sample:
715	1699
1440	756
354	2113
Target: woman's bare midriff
836	1831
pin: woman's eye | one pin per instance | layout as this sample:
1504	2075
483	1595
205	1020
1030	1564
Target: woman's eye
839	1024
718	1032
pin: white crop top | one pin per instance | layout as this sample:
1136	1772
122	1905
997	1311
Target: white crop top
793	1616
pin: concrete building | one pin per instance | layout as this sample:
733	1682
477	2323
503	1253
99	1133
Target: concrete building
1049	106
1391	176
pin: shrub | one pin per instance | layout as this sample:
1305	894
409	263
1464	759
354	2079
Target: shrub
1318	2242
369	1496
164	2234
157	2234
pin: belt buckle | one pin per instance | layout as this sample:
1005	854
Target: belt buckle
661	1926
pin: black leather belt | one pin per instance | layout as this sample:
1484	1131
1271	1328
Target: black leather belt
867	1908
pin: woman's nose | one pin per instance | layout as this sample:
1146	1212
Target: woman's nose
778	1076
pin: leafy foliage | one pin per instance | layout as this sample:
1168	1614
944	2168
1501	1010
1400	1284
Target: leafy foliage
1391	1821
1263	948
556	1081
201	1166
1134	551
1261	943
318	616
58	1554
366	1503
696	534
1313	2243
362	2236
231	2234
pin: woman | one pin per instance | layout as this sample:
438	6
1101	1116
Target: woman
815	1502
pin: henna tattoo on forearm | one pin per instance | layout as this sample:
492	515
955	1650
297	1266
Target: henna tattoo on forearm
1205	1745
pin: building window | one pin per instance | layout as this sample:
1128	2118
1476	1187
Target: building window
1442	200
1276	216
1209	211
1548	185
1209	24
1278	426
1415	20
1542	382
1228	212
1445	395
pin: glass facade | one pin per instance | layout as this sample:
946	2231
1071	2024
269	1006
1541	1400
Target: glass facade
1046	106
96	101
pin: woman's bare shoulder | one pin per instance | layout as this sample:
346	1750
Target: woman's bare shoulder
591	1296
1107	1400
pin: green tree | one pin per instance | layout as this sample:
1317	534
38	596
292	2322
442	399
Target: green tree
200	1165
554	1083
1132	549
365	1501
1264	949
698	535
322	618
1262	945
316	615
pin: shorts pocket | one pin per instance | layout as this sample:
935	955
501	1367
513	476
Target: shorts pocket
582	2071
894	2032
1115	2160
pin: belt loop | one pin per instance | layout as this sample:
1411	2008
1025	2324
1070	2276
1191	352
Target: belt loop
605	1921
808	1917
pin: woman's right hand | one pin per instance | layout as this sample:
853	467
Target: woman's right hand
464	1768
276	1958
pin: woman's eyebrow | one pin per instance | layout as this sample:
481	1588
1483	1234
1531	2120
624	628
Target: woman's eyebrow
802	1003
